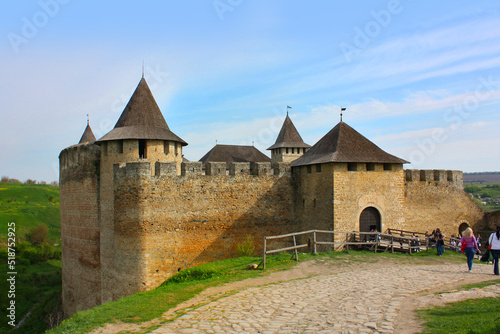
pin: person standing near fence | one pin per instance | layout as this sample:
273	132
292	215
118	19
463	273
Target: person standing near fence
494	242
471	246
439	242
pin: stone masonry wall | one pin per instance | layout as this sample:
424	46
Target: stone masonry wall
164	223
78	185
436	199
357	190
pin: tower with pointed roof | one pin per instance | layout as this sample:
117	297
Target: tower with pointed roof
289	144
88	135
141	133
348	183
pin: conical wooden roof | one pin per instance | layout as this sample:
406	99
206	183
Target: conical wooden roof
288	136
88	135
344	144
142	119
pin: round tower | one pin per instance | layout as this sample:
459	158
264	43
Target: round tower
79	190
140	135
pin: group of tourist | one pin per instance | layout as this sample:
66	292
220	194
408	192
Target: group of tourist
436	238
469	245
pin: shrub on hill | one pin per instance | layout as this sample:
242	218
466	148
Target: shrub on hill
38	235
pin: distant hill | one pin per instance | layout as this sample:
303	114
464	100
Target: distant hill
28	205
486	177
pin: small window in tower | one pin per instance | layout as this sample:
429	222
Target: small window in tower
142	149
120	146
318	168
387	167
287	150
166	147
309	169
314	203
303	203
352	166
293	150
370	167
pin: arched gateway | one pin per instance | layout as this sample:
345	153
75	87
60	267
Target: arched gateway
369	219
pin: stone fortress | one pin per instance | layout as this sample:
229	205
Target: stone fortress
133	212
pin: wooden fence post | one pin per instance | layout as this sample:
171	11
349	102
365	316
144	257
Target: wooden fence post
295	245
314	242
264	257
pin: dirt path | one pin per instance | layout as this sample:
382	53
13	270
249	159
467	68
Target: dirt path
398	318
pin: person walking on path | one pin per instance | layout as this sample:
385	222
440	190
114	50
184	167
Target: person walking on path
470	246
494	241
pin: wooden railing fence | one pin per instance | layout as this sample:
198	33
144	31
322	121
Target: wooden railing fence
389	241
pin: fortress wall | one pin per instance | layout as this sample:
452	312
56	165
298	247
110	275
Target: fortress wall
436	199
357	190
78	185
314	196
163	223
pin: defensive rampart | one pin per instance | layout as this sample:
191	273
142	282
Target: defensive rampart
436	199
164	223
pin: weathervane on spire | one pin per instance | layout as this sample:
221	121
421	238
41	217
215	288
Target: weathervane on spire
143	68
87	119
341	109
287	107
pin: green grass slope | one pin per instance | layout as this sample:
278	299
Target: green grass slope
28	205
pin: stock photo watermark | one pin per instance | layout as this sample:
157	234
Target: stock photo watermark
11	273
364	35
455	117
32	25
223	6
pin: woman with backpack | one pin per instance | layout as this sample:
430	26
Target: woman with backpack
494	242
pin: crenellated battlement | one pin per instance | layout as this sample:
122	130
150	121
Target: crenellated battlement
79	155
195	169
450	178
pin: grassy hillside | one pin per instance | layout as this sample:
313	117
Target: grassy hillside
38	265
488	193
29	205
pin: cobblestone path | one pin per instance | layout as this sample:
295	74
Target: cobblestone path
355	301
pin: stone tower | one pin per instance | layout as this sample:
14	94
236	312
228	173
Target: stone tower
347	183
289	144
80	236
140	135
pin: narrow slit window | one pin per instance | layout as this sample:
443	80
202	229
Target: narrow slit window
142	149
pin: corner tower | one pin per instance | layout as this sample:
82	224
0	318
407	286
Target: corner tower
140	135
289	144
80	235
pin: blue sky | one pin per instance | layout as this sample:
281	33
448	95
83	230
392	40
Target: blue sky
421	79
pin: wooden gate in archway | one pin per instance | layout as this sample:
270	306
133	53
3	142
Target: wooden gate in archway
369	219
